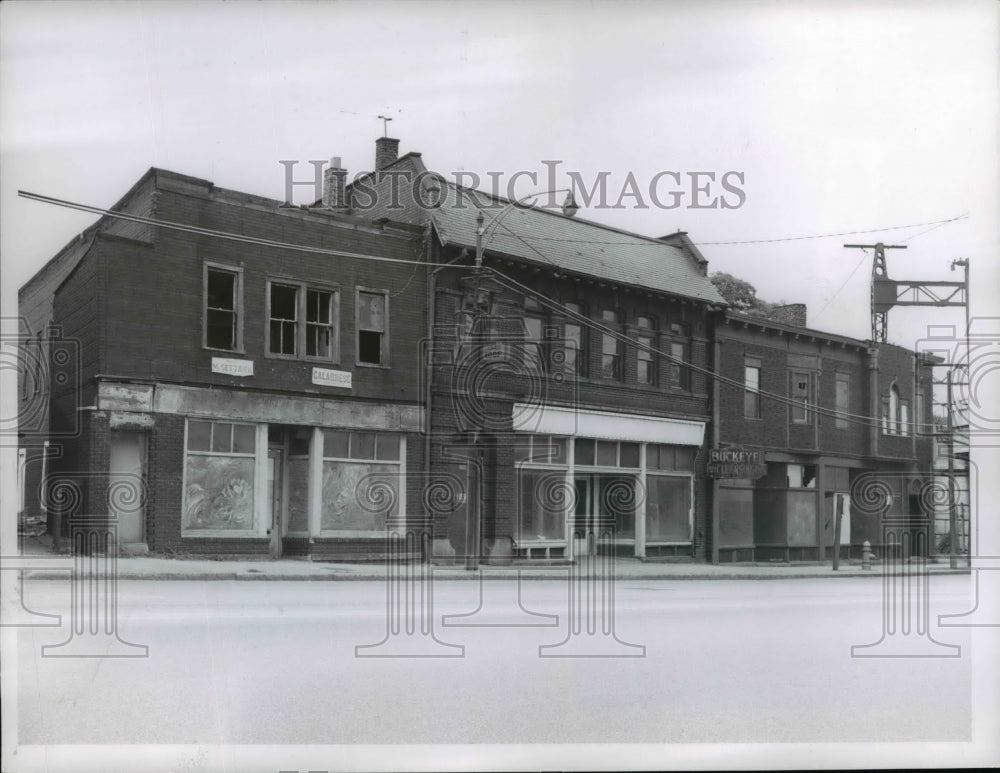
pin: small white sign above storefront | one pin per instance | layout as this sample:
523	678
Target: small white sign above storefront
232	367
332	378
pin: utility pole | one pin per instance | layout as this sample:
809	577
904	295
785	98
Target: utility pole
880	310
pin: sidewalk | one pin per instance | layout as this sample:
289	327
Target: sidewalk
37	551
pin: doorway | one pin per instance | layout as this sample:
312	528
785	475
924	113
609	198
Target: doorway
604	513
127	485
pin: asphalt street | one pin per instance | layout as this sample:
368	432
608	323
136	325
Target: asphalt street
694	661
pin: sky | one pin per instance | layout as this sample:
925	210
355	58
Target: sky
828	117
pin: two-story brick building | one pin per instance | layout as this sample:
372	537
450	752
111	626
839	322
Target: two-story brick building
571	371
835	418
239	369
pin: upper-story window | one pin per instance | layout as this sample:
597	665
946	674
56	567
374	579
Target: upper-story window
680	353
646	359
302	321
751	388
801	394
283	305
575	342
895	414
223	310
534	325
373	327
611	360
842	400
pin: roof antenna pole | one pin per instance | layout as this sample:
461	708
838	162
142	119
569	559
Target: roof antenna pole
385	125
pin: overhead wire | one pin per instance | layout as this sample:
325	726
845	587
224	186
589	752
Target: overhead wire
157	222
513	284
863	419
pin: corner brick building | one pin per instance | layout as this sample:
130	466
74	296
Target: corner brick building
236	374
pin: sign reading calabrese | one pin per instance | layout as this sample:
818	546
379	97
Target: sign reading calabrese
736	462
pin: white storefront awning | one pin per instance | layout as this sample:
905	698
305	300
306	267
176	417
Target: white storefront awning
575	422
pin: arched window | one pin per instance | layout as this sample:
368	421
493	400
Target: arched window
893	410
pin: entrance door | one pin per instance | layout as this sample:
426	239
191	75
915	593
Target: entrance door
602	499
127	484
275	492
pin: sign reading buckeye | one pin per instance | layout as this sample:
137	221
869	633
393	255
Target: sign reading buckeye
736	462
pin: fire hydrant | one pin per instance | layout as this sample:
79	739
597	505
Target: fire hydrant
866	555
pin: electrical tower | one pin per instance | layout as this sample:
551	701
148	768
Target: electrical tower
886	292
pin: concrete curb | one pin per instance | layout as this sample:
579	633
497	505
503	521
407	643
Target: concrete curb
244	576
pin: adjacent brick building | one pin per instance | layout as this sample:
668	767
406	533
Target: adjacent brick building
806	400
571	372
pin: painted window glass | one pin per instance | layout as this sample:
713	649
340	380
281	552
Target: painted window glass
219	477
361	480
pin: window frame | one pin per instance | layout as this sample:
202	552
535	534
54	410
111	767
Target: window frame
679	335
755	364
237	271
805	406
385	359
259	528
399	465
890	406
841	406
647	357
581	363
302	290
615	324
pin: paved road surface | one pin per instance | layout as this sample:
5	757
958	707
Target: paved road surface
274	663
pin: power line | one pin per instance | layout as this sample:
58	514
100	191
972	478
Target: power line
842	286
513	283
594	325
218	234
642	241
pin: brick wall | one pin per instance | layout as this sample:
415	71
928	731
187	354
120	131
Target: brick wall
153	296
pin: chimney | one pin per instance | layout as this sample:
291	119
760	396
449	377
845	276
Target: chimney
386	152
335	185
789	314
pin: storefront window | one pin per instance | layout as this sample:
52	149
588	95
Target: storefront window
542	501
219	478
668	508
361	480
543	494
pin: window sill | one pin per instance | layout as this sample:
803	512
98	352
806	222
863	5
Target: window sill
241	352
374	365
